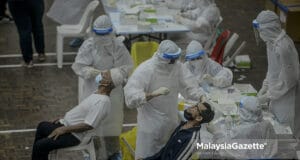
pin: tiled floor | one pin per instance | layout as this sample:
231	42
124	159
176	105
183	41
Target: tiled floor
28	96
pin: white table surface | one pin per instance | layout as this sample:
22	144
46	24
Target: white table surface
165	23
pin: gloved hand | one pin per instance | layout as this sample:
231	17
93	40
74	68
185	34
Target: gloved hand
264	98
202	99
263	90
208	78
185	15
211	128
160	91
94	72
177	18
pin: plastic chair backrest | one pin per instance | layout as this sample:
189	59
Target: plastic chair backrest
87	16
88	137
212	38
218	50
237	52
141	51
230	44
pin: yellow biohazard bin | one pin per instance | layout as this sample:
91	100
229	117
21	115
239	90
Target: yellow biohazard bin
127	144
141	51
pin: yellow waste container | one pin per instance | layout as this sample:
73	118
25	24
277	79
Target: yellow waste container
127	144
141	51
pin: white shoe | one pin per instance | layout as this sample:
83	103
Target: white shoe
30	64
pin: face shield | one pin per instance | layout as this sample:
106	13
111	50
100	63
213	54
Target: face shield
102	31
255	26
195	59
171	56
103	36
194	56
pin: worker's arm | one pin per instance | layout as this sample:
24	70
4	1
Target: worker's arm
136	89
83	65
81	127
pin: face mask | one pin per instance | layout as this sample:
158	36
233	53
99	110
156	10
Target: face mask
173	61
197	63
264	36
104	39
194	63
188	116
98	79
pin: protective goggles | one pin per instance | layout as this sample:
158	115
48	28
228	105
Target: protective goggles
102	31
255	24
194	56
172	56
242	103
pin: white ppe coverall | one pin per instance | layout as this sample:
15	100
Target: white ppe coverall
249	133
158	117
251	130
94	57
282	79
221	76
99	53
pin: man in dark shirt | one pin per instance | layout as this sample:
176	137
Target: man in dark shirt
183	140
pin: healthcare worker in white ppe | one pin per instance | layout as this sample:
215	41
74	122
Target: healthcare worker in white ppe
280	85
205	69
101	52
153	89
201	20
251	129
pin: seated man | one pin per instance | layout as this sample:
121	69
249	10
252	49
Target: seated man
182	142
78	122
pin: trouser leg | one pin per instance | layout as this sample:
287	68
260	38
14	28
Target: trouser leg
43	145
36	14
19	11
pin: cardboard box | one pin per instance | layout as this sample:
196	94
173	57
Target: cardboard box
289	13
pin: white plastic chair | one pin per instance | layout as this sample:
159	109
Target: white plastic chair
78	30
86	146
208	46
87	149
237	52
229	45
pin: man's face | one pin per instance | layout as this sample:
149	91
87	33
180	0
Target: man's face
106	81
193	113
106	75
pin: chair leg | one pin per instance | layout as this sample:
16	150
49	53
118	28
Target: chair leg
53	155
92	151
59	49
